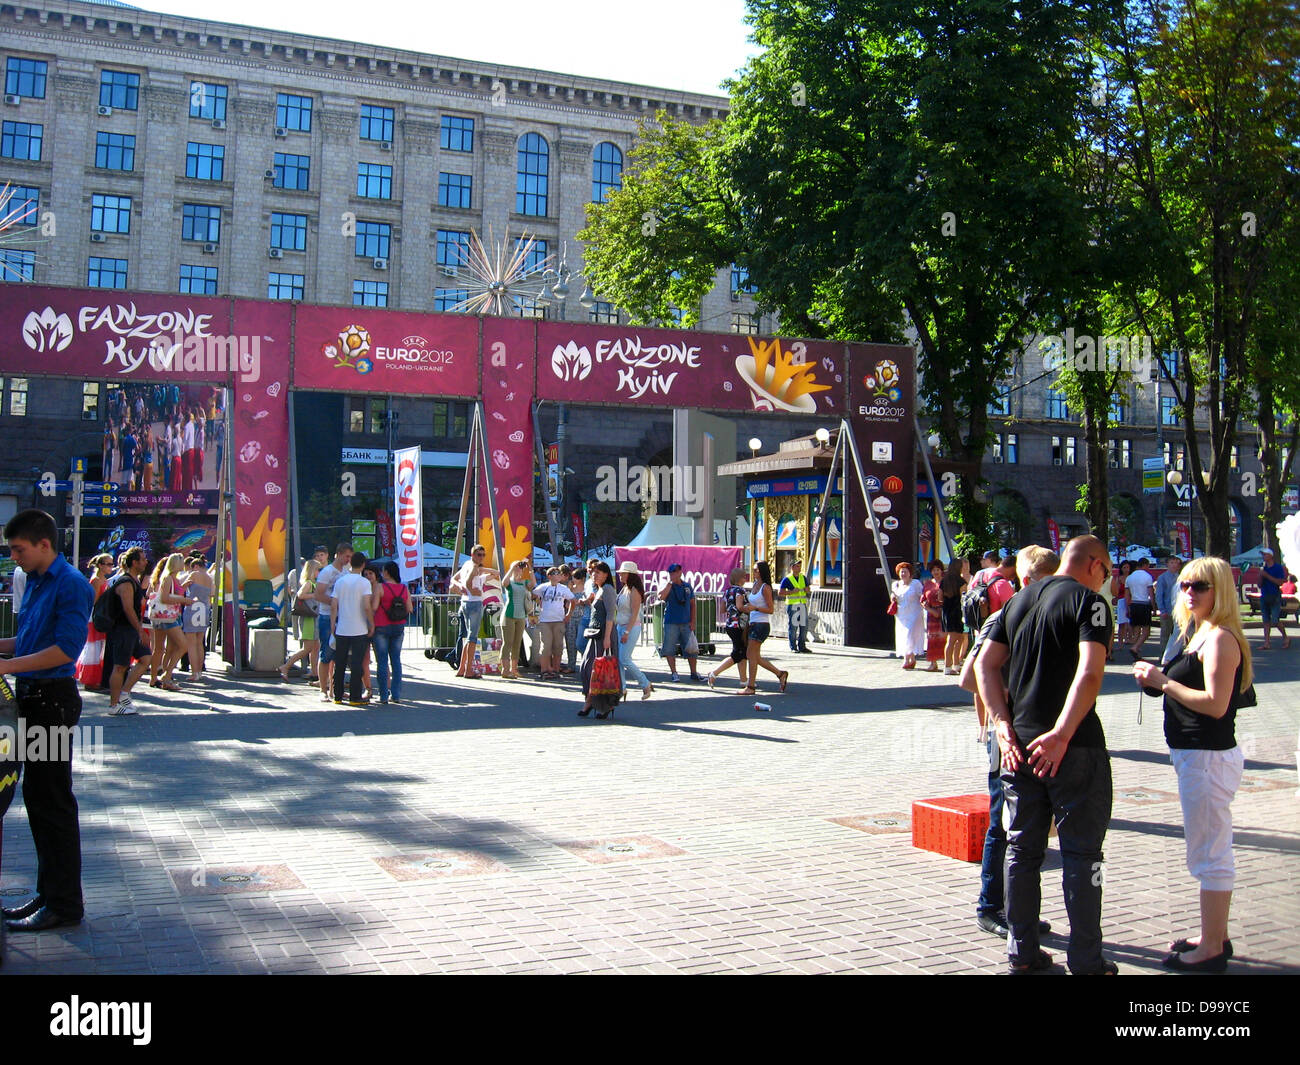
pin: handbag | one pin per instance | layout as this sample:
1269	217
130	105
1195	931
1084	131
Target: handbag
893	608
160	611
605	679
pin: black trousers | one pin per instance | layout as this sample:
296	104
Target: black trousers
47	792
352	649
1078	798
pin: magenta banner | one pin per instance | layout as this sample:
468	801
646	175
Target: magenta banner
706	569
260	439
579	363
508	347
365	349
138	336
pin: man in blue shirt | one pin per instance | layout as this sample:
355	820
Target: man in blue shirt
51	634
678	598
1271	576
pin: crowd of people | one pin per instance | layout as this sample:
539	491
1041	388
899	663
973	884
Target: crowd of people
1043	630
156	437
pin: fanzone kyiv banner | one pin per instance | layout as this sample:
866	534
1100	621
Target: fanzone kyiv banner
408	517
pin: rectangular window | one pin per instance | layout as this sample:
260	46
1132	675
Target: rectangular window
207	100
998	448
452	247
120	90
90	401
22	205
1069	451
207	162
18	396
740	283
292	171
1232	458
1056	405
289	231
201	221
293	112
198	280
1011	448
1063	451
25	77
115	151
440	419
110	214
1118	410
445	299
375	181
1112	454
376	123
604	313
1001	405
451	420
1167	413
369	293
17	265
284	286
357	416
744	323
376	408
454	190
1169	362
22	140
457	134
1126	454
372	240
105	273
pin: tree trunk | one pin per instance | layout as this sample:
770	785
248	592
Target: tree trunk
1096	471
1275	475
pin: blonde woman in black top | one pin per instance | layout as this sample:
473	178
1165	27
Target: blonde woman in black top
1203	687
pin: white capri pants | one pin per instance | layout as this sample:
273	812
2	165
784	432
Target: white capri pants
1207	782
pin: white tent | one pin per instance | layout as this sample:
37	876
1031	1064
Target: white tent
665	529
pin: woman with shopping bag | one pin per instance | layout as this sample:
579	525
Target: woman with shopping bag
602	681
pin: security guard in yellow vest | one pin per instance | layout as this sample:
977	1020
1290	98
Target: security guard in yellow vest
794	590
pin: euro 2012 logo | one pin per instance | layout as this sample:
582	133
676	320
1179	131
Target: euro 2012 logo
884	382
352	348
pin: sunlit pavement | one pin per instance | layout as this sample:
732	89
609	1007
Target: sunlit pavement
245	826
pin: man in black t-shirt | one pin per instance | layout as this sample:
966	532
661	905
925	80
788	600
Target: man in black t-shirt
1054	636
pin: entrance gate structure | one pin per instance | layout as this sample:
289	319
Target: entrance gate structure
262	350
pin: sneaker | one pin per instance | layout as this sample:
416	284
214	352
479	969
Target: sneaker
672	676
124	708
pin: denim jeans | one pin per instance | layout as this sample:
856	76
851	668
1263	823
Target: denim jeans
388	648
582	636
992	896
797	623
631	671
1079	798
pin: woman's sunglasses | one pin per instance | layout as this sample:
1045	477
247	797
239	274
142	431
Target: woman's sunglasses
1199	587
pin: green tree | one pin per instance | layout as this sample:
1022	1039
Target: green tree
1212	134
887	172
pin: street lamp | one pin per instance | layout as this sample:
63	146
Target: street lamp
754	444
823	436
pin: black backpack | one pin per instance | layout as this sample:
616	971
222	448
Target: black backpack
397	610
975	605
106	609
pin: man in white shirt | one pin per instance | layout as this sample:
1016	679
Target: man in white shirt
555	598
324	620
1139	586
354	624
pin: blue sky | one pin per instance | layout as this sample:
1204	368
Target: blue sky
688	45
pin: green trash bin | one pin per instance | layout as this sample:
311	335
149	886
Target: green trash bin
659	625
706	612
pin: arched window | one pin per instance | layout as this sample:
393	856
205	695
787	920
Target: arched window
534	170
606	170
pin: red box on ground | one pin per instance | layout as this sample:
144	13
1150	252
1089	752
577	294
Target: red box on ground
954	826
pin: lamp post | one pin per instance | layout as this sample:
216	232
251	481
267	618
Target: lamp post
754	444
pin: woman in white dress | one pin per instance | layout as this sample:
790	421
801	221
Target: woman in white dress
909	621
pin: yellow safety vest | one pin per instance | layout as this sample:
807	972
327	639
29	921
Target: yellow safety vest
800	594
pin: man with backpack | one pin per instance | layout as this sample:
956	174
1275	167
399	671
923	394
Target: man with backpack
988	592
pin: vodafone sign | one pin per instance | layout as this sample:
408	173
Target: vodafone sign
408	508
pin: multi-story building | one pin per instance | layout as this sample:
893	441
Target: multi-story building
168	154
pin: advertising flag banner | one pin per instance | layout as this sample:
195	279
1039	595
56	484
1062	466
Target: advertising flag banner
408	512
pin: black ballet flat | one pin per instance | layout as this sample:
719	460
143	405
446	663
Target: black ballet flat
584	713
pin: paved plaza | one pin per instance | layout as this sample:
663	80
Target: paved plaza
247	827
